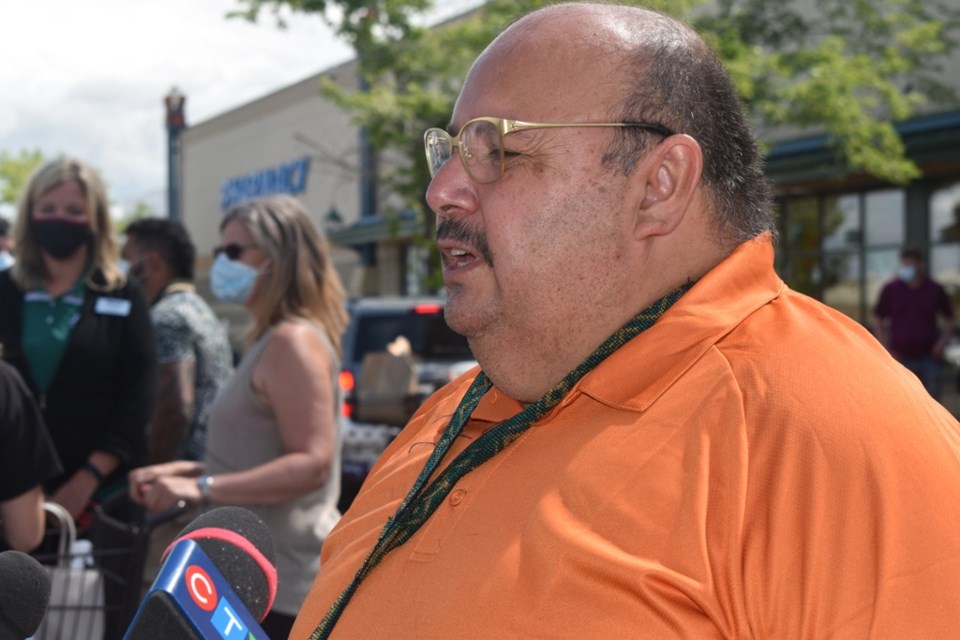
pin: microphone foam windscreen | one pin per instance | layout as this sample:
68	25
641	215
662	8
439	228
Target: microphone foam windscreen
24	594
241	547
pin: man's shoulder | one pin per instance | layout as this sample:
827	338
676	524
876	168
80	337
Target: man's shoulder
182	321
895	288
184	309
935	286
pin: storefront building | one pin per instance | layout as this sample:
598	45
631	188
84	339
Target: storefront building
839	234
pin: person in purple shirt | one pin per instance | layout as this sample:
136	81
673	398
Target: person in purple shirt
914	319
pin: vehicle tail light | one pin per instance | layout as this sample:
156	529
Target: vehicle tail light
347	410
426	309
347	384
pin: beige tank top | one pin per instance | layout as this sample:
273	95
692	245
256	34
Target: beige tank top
243	434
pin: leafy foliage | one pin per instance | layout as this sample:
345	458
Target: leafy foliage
851	68
15	170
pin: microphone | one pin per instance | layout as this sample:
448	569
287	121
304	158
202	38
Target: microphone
24	595
218	580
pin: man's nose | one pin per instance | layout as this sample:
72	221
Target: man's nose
451	191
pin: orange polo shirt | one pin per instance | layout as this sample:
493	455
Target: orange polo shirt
753	466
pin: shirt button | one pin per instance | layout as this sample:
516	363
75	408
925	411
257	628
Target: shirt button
457	497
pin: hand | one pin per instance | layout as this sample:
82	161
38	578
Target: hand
140	480
165	492
74	495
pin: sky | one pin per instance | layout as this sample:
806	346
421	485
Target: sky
88	77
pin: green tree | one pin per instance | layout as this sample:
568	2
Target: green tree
140	211
851	68
15	169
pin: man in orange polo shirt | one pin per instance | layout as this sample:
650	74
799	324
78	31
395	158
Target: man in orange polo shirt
664	440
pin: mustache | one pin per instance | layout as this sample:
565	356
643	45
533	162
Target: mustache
459	231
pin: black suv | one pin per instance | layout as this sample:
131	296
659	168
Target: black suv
441	355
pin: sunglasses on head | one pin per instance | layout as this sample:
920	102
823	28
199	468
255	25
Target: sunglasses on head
232	250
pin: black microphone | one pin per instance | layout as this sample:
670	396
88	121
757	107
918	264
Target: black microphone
24	595
218	580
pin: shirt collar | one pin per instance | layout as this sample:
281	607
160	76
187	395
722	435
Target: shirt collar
730	292
724	297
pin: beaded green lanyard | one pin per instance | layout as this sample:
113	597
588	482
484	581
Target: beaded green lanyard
422	501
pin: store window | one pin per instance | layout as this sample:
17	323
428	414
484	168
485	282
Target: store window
841	248
841	283
885	226
799	260
884	218
842	226
841	223
945	239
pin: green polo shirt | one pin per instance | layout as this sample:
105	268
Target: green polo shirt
47	324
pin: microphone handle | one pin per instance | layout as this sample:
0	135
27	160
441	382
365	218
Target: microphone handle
161	619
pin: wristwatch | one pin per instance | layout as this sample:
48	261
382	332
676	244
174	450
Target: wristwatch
205	484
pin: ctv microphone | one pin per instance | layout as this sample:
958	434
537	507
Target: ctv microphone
217	581
24	595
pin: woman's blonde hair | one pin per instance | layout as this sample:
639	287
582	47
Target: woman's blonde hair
29	271
301	281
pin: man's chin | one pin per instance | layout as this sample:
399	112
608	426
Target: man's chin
465	315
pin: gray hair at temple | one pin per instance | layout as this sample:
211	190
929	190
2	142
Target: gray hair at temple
673	78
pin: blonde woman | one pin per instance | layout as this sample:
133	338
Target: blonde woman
274	443
78	332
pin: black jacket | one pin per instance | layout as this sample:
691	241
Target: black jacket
102	395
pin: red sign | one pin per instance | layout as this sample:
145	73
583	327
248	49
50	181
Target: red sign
201	588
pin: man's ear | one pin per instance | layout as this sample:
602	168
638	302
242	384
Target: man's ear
666	179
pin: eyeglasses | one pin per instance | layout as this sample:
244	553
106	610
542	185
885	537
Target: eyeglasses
233	250
480	142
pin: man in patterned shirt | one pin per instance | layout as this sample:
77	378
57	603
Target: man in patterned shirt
192	345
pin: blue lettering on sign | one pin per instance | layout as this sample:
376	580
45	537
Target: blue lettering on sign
228	623
290	178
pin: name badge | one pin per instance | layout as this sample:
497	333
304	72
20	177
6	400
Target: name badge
112	306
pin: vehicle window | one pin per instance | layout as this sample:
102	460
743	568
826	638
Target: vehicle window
438	340
429	335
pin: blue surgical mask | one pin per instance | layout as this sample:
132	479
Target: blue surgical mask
6	260
124	266
907	272
232	280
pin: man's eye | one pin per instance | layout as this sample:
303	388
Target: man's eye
75	211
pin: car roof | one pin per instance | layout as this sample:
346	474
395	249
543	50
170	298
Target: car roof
394	302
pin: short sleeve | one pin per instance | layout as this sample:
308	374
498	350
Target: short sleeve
27	456
173	338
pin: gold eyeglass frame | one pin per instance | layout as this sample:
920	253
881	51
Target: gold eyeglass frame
505	126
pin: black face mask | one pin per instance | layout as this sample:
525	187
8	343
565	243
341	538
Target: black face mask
61	238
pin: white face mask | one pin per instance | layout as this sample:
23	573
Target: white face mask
907	272
124	266
6	260
232	280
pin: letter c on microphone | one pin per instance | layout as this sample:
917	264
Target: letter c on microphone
201	589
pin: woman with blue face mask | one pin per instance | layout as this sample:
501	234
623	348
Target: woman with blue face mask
273	432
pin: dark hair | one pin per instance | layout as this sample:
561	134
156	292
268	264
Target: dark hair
676	80
4	227
170	239
911	253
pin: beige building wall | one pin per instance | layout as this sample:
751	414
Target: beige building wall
294	123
